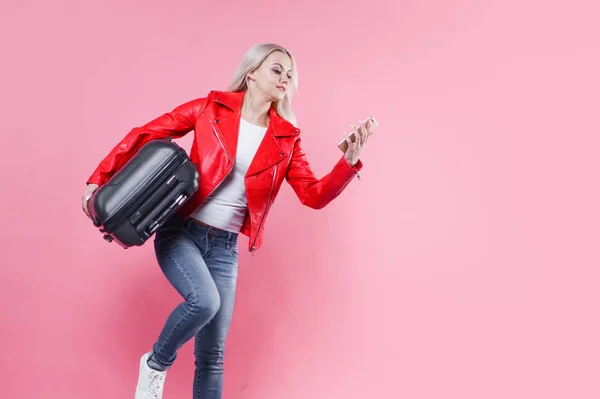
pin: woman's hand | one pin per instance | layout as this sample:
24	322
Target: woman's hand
87	194
360	142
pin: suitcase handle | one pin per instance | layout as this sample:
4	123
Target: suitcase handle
167	213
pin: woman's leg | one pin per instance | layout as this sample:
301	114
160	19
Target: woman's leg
182	261
222	260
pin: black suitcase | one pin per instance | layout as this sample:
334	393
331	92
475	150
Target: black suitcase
143	194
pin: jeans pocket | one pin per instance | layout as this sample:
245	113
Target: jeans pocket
234	251
166	231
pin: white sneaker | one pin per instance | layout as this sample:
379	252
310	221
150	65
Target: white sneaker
150	382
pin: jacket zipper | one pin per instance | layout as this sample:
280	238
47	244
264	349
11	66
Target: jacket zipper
265	212
227	174
219	138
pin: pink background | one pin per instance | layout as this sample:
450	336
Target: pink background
463	265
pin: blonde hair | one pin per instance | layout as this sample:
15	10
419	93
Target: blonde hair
253	58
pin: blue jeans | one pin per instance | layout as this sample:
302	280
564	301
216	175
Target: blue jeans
202	265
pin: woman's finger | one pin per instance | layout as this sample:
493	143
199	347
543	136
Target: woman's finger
367	132
86	197
362	133
84	207
369	126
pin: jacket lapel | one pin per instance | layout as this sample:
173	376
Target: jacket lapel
226	126
226	120
270	151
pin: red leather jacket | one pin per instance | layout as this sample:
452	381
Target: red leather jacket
215	120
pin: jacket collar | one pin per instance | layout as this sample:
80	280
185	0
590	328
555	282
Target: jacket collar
234	101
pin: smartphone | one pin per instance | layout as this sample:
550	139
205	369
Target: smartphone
343	145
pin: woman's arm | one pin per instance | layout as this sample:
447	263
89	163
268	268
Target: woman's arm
176	123
313	192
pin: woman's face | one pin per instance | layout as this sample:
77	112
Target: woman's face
273	77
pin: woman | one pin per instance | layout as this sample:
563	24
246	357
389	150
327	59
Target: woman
245	144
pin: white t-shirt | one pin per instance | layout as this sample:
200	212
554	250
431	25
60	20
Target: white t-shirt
226	207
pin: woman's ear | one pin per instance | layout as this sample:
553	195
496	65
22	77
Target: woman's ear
252	74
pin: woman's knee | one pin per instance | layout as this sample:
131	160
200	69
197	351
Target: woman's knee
204	304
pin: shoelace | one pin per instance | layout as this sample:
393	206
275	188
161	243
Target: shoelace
156	384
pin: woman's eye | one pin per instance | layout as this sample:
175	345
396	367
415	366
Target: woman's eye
278	72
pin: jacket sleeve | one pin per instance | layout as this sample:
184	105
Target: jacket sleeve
313	192
176	123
